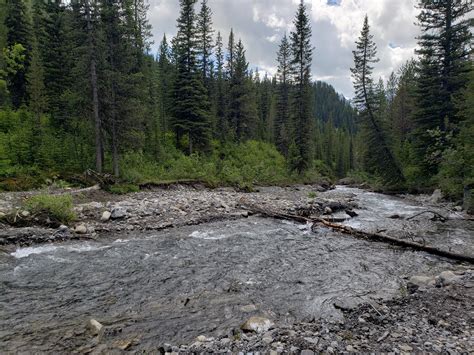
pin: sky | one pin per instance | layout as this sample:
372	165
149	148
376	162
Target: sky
336	25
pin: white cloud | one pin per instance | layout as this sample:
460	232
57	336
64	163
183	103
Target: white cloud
261	24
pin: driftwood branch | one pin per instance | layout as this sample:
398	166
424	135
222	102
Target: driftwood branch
437	216
361	234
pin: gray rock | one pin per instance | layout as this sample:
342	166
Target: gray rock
422	282
436	197
225	341
62	228
105	216
327	210
94	326
267	340
257	325
25	214
248	308
406	348
118	213
447	278
80	229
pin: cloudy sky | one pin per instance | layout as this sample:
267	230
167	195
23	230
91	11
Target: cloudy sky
336	25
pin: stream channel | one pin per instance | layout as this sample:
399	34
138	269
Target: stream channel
174	285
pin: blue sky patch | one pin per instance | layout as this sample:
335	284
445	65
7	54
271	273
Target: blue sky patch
334	2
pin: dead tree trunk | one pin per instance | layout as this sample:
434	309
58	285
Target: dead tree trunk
363	235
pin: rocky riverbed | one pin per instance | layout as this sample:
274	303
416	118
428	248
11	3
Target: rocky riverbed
435	316
182	269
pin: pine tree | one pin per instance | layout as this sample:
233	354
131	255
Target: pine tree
205	41
221	112
55	49
191	108
166	77
18	33
444	51
381	158
302	53
282	126
264	127
230	55
242	106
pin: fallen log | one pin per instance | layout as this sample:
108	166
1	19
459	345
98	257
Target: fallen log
361	234
436	216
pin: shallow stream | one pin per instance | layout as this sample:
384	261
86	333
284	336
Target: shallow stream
175	285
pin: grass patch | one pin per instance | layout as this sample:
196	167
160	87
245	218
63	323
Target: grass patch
56	208
122	189
312	194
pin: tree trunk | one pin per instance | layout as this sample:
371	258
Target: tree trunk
95	94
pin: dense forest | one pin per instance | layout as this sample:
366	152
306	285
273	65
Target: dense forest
81	89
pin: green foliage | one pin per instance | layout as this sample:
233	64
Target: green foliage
122	189
312	194
242	164
57	208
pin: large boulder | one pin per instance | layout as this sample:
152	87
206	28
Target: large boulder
420	282
447	278
257	325
118	213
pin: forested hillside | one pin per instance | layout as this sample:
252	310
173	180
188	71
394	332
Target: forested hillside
80	88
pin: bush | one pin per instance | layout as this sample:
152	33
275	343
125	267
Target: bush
56	208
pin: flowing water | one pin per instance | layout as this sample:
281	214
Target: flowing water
172	286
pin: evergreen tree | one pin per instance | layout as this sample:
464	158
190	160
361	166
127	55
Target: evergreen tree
221	112
55	49
166	77
191	106
444	51
205	41
230	55
302	53
18	33
381	158
242	106
282	126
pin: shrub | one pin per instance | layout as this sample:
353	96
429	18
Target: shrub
56	208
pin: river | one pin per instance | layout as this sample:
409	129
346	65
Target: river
174	285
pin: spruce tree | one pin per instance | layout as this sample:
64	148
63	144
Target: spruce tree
191	106
18	33
230	55
444	52
166	71
380	156
242	105
302	54
205	41
221	112
282	125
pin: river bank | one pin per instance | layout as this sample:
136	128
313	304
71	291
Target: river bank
100	214
169	265
435	316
